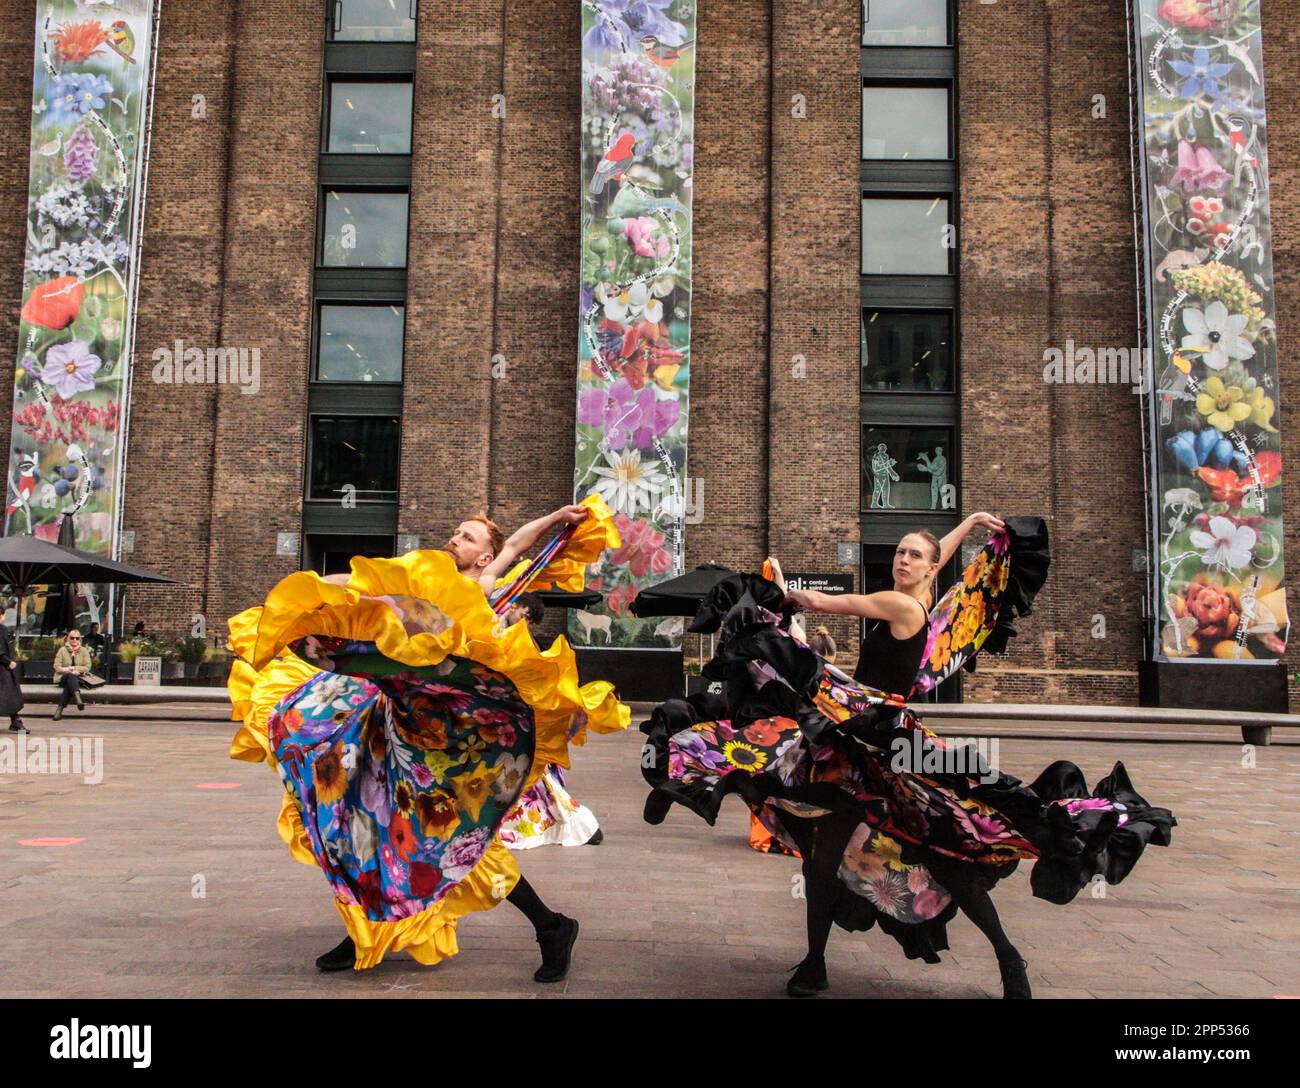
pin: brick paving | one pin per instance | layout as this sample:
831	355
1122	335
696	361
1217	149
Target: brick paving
677	910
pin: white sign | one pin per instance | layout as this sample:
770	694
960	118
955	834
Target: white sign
148	670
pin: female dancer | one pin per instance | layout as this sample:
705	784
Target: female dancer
405	721
894	828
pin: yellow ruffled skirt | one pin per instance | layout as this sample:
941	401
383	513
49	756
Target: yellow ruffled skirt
405	722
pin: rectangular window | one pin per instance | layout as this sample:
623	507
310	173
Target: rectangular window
907	468
907	350
906	236
906	122
360	343
372	20
371	117
364	229
905	22
354	458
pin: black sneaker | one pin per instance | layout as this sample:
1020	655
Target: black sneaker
1015	979
557	949
16	726
809	978
81	703
341	957
595	839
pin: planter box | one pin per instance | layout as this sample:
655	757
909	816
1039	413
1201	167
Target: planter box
37	671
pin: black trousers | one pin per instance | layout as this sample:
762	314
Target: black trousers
69	685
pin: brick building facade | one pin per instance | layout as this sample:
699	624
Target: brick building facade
1045	254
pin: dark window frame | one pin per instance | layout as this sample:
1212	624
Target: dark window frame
934	83
334	8
318	303
952	30
327	110
323	204
358	412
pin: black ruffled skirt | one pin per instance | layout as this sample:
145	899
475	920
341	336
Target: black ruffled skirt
820	759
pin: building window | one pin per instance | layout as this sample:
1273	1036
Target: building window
906	22
906	236
907	468
364	229
907	350
371	117
353	458
358	343
372	20
902	121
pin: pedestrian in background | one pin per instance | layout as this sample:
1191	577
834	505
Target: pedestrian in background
823	645
11	691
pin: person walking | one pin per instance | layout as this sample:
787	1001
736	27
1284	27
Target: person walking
823	645
71	663
11	691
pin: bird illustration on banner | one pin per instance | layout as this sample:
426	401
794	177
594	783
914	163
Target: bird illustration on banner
615	162
663	55
122	41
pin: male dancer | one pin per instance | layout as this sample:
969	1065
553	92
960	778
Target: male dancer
482	553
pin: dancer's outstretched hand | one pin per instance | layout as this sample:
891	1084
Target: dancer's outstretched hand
572	514
987	521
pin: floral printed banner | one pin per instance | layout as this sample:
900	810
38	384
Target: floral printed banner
638	86
1217	461
71	382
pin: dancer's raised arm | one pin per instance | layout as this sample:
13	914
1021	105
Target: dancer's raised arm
949	544
523	539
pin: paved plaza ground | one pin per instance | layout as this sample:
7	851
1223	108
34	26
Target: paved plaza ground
676	910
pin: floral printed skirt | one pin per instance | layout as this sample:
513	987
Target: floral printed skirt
809	750
548	816
405	722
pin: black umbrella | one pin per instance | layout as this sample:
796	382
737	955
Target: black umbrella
27	561
61	606
680	596
557	598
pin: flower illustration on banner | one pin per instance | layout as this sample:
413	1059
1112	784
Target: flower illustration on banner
70	368
1198	170
1186	13
1200	74
54	305
77	42
1226	545
1224	406
641	233
621	24
634	303
647	352
643	550
620	600
77	94
627	484
81	156
1218	334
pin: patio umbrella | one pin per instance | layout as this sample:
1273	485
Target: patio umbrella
680	596
557	598
27	561
61	606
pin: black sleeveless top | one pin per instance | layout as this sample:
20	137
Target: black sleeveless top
889	664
